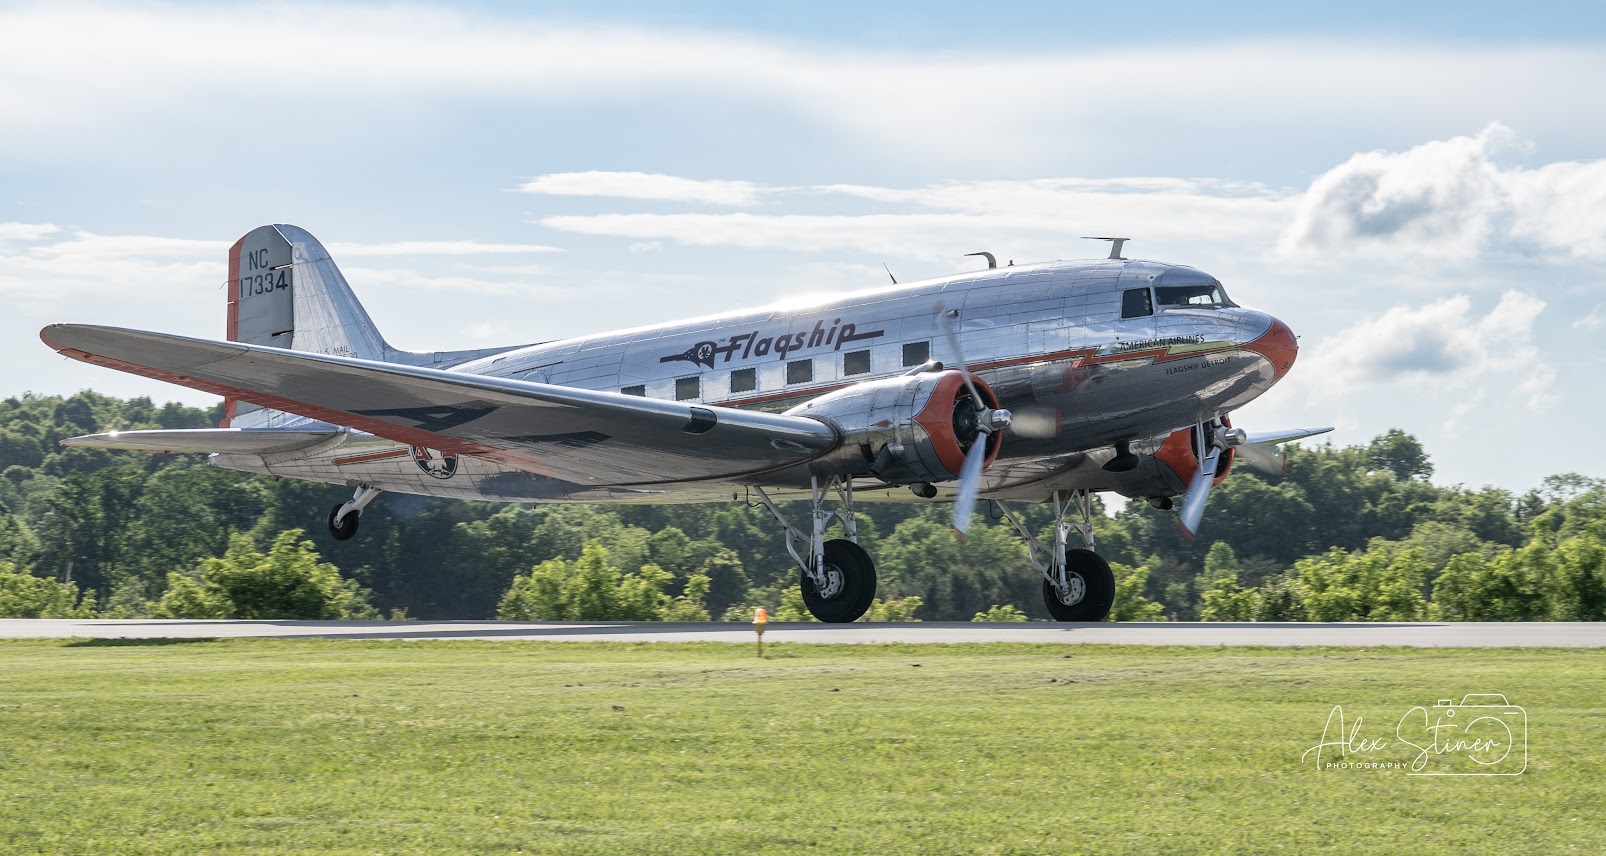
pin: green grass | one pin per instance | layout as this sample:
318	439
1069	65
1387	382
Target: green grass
336	747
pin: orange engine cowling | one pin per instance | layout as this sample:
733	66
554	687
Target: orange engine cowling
1181	453
903	430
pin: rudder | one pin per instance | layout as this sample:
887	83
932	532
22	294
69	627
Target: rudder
286	292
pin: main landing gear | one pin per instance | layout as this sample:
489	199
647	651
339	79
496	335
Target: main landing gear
1077	583
838	577
343	517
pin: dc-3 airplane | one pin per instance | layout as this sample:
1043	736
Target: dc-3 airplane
1036	383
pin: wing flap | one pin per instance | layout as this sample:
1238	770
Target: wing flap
228	441
586	436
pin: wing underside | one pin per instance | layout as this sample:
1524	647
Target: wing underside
584	436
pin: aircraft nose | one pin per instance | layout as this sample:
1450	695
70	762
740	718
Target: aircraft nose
1278	345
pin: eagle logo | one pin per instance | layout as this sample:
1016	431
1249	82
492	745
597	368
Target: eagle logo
701	354
434	463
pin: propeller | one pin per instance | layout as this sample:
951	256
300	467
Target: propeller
1203	480
988	420
1261	451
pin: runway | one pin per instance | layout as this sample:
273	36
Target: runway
1413	635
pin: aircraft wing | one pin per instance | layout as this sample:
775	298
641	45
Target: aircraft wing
585	436
228	441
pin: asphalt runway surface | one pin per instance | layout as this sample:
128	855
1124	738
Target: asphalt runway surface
1414	635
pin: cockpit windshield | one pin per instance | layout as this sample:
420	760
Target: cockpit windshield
1207	296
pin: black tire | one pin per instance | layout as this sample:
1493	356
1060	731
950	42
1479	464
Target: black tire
1097	589
850	565
346	528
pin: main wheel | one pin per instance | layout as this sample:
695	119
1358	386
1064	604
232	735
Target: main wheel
1091	591
347	527
849	584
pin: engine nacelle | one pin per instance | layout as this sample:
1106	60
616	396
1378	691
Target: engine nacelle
1181	453
903	430
1166	466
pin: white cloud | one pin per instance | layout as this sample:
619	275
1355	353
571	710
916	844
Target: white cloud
66	68
1447	201
1035	219
371	278
643	185
56	265
26	231
1592	321
432	248
1441	349
1451	200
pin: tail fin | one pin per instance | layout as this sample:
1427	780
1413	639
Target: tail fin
289	294
286	292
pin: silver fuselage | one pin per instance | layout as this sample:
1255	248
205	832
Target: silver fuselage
1050	339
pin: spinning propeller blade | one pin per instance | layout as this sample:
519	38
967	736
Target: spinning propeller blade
1199	492
950	329
987	421
969	485
1267	458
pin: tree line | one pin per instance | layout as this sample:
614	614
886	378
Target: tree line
1346	533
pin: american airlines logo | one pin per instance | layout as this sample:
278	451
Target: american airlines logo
745	345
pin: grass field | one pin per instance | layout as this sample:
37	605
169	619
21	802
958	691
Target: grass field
501	747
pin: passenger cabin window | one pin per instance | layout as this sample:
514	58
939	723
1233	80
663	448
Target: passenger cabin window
1135	303
915	353
688	388
744	380
638	389
1209	295
856	362
800	371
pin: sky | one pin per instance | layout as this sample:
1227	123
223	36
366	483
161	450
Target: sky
1418	190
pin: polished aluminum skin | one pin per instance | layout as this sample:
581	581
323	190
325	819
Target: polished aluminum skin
1082	353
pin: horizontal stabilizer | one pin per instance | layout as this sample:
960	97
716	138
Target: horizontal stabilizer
227	441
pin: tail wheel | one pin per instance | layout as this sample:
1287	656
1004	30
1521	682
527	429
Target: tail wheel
347	527
1090	592
849	584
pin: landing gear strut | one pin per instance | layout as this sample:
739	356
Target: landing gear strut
838	576
1077	583
343	518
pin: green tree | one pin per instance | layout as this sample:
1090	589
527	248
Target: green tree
288	582
1221	596
893	609
1399	454
589	588
953	579
1575	588
1281	598
691	605
727	579
1475	588
1006	612
792	607
23	595
1130	604
538	595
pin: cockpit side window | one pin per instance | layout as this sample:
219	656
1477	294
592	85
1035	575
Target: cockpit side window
1208	295
1135	303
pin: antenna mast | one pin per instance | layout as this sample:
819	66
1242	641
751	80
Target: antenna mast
1115	245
